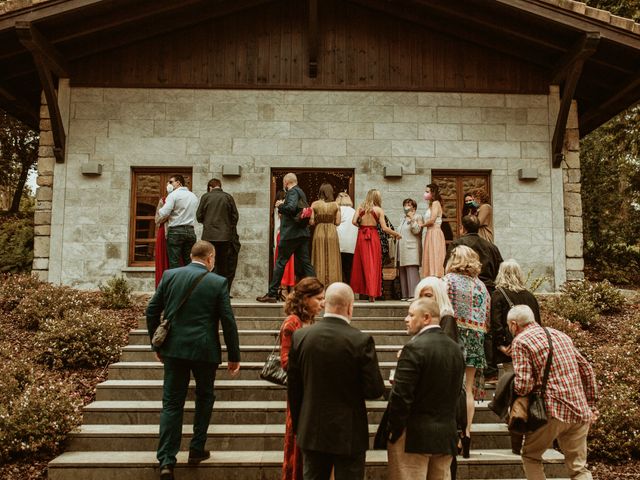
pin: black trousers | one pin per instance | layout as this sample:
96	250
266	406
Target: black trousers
347	263
295	246
224	261
318	465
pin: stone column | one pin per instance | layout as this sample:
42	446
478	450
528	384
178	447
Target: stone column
572	199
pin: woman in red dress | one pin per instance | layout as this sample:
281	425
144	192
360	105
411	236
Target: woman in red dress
302	305
366	272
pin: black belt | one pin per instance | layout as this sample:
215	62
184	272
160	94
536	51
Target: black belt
181	226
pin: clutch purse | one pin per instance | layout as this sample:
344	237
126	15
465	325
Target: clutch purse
160	335
272	370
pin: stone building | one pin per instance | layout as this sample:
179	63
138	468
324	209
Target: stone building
363	93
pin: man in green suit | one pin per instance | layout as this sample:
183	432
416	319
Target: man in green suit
192	345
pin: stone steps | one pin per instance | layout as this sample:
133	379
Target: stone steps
120	432
132	412
267	465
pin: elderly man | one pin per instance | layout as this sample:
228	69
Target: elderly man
294	238
570	395
180	210
196	302
333	369
422	403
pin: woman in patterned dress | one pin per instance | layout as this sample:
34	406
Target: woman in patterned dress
302	305
471	307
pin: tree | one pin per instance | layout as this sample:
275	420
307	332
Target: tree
623	8
18	156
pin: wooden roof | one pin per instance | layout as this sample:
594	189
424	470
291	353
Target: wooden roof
571	42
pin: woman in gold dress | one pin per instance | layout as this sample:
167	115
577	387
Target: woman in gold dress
325	249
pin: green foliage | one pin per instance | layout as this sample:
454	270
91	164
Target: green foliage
79	339
623	8
604	297
48	302
581	312
36	410
13	288
618	262
16	244
116	293
534	283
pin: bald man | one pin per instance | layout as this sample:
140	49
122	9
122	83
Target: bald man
333	369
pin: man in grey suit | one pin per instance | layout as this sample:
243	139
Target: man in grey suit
218	214
332	370
422	403
192	346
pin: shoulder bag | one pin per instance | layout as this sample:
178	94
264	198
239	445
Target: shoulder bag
537	411
160	335
272	370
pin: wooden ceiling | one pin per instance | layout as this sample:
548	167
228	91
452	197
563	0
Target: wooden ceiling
601	59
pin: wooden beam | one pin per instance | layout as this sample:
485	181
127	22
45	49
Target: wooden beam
33	41
313	38
568	91
45	10
581	50
19	108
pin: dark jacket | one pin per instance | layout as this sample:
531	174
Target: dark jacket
218	215
489	257
194	329
333	369
289	228
499	310
504	396
425	393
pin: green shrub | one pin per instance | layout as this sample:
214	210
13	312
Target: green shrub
116	293
37	410
580	312
48	302
79	339
602	295
16	244
617	262
13	288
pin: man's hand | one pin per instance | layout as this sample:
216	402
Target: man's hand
233	368
596	415
158	357
279	202
505	349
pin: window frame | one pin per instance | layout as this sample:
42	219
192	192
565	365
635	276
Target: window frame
165	173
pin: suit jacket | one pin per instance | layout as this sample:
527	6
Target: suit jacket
219	216
333	368
194	329
289	228
425	393
490	256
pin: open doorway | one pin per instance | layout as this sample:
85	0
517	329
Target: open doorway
309	180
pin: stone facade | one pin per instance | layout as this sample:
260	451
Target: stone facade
264	129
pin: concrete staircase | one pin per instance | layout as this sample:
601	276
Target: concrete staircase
120	432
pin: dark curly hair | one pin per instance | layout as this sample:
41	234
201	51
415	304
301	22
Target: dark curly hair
295	303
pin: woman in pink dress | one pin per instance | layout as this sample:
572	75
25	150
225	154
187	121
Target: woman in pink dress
434	248
302	305
366	272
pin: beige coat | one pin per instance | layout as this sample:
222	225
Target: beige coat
410	246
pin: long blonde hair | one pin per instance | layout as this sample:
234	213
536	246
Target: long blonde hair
465	261
373	199
439	293
510	276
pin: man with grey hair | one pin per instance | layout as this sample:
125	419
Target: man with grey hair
569	397
423	399
294	238
333	369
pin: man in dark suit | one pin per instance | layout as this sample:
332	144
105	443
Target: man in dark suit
490	258
192	345
294	238
332	369
218	215
422	403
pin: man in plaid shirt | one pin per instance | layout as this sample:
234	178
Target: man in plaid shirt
570	396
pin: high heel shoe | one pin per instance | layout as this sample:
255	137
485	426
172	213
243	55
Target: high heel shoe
466	446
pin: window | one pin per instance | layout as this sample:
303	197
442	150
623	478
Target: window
453	185
148	186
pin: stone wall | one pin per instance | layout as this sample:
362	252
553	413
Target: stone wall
206	129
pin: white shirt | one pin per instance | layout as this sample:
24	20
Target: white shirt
425	328
347	231
342	317
180	207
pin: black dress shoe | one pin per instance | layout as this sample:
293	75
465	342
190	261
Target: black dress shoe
197	456
466	446
267	299
166	472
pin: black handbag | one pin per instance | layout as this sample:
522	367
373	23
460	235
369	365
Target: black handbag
537	411
272	370
161	332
